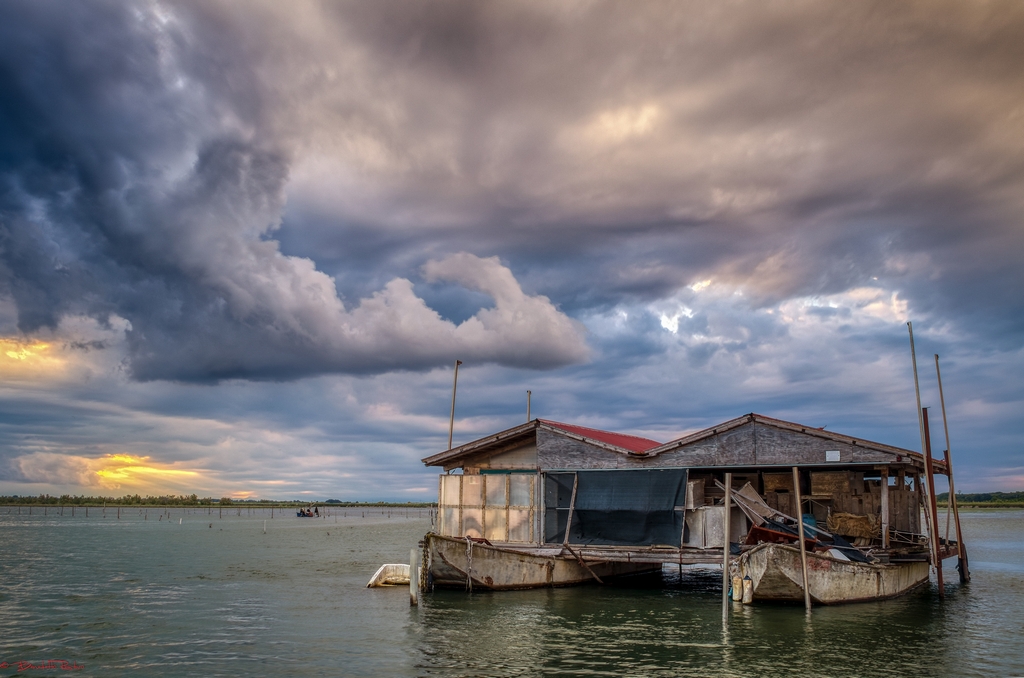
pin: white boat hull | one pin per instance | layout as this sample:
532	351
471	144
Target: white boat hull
776	574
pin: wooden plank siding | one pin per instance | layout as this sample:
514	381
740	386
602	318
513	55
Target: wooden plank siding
758	444
557	451
522	457
752	444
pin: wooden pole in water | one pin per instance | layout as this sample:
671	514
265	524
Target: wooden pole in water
965	575
921	425
934	526
725	546
414	577
451	420
885	506
803	546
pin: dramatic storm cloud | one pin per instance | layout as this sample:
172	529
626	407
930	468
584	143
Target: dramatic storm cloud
274	225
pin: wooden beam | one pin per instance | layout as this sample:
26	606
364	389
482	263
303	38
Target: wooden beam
803	546
725	547
933	519
885	507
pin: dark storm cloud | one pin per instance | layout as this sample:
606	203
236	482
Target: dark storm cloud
144	178
796	149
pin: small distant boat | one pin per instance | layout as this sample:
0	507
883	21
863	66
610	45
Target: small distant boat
305	514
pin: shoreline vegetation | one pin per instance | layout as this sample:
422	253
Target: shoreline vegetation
984	499
170	501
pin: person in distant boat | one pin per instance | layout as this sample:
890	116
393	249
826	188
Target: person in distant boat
316	511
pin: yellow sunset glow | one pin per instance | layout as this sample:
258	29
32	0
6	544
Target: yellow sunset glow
118	469
27	359
20	351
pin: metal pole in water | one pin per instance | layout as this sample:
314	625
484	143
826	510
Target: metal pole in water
803	546
725	548
264	527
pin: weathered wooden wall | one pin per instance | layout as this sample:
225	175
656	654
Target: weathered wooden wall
757	444
522	457
556	451
734	447
751	444
850	492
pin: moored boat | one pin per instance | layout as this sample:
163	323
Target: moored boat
776	574
464	563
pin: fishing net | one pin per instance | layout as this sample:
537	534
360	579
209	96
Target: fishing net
852	525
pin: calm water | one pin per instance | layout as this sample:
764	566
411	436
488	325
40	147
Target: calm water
149	596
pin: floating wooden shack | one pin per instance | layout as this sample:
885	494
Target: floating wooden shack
552	504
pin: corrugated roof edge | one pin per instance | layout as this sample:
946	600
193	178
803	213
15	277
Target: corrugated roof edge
634	444
467	448
638	445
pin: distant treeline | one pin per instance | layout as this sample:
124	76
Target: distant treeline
183	500
984	498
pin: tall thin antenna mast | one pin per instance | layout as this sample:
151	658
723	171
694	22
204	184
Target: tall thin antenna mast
451	420
528	393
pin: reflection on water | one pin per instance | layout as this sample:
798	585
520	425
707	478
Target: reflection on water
151	596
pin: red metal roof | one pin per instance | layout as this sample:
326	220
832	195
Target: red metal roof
623	440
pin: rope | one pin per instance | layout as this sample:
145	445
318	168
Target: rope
469	564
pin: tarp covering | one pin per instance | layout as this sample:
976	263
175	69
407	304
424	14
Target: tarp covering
621	508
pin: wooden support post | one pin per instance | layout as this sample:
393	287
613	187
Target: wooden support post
922	421
961	550
803	545
572	507
725	546
933	526
965	574
414	577
885	507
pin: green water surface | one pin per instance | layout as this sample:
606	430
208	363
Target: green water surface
216	596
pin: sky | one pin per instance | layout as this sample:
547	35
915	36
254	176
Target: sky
242	244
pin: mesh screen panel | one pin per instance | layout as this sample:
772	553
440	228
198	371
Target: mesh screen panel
622	508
